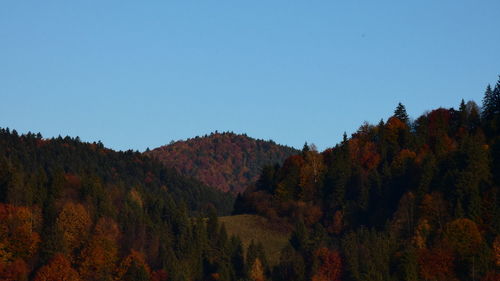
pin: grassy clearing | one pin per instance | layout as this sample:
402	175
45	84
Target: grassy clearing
249	227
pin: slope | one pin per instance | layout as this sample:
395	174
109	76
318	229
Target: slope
227	161
258	229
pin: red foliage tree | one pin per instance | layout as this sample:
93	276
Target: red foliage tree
14	271
159	275
436	264
330	268
59	268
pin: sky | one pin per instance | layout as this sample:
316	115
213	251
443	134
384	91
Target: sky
138	74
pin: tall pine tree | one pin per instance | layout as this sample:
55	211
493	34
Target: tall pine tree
401	114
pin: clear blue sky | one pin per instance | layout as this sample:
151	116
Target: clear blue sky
137	74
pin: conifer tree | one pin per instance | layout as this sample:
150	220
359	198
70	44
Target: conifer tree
401	114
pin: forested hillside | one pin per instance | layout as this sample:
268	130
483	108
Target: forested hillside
226	161
78	211
399	200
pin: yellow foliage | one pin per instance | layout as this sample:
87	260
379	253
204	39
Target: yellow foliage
420	238
257	271
135	196
17	231
463	236
74	223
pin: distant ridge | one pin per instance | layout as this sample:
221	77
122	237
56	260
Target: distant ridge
226	161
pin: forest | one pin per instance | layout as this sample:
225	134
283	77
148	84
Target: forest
401	200
405	199
225	161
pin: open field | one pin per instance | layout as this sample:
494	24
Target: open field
249	227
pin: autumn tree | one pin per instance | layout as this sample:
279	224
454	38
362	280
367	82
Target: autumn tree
434	208
436	264
16	270
74	223
496	251
257	271
463	236
133	267
99	256
311	174
59	268
330	268
18	233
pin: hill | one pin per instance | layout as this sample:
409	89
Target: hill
226	161
260	230
399	200
71	210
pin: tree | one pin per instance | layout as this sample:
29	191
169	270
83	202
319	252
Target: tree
59	268
463	236
257	271
491	109
133	267
311	175
99	257
14	271
488	109
290	267
401	114
74	223
159	275
436	264
330	268
496	250
462	113
18	234
237	257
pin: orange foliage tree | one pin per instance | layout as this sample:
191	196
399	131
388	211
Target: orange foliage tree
159	275
59	268
330	268
134	259
73	222
364	153
496	250
310	174
99	257
257	271
436	264
14	271
337	224
463	236
18	238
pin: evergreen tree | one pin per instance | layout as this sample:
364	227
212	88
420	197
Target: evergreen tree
488	109
305	148
401	114
462	113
